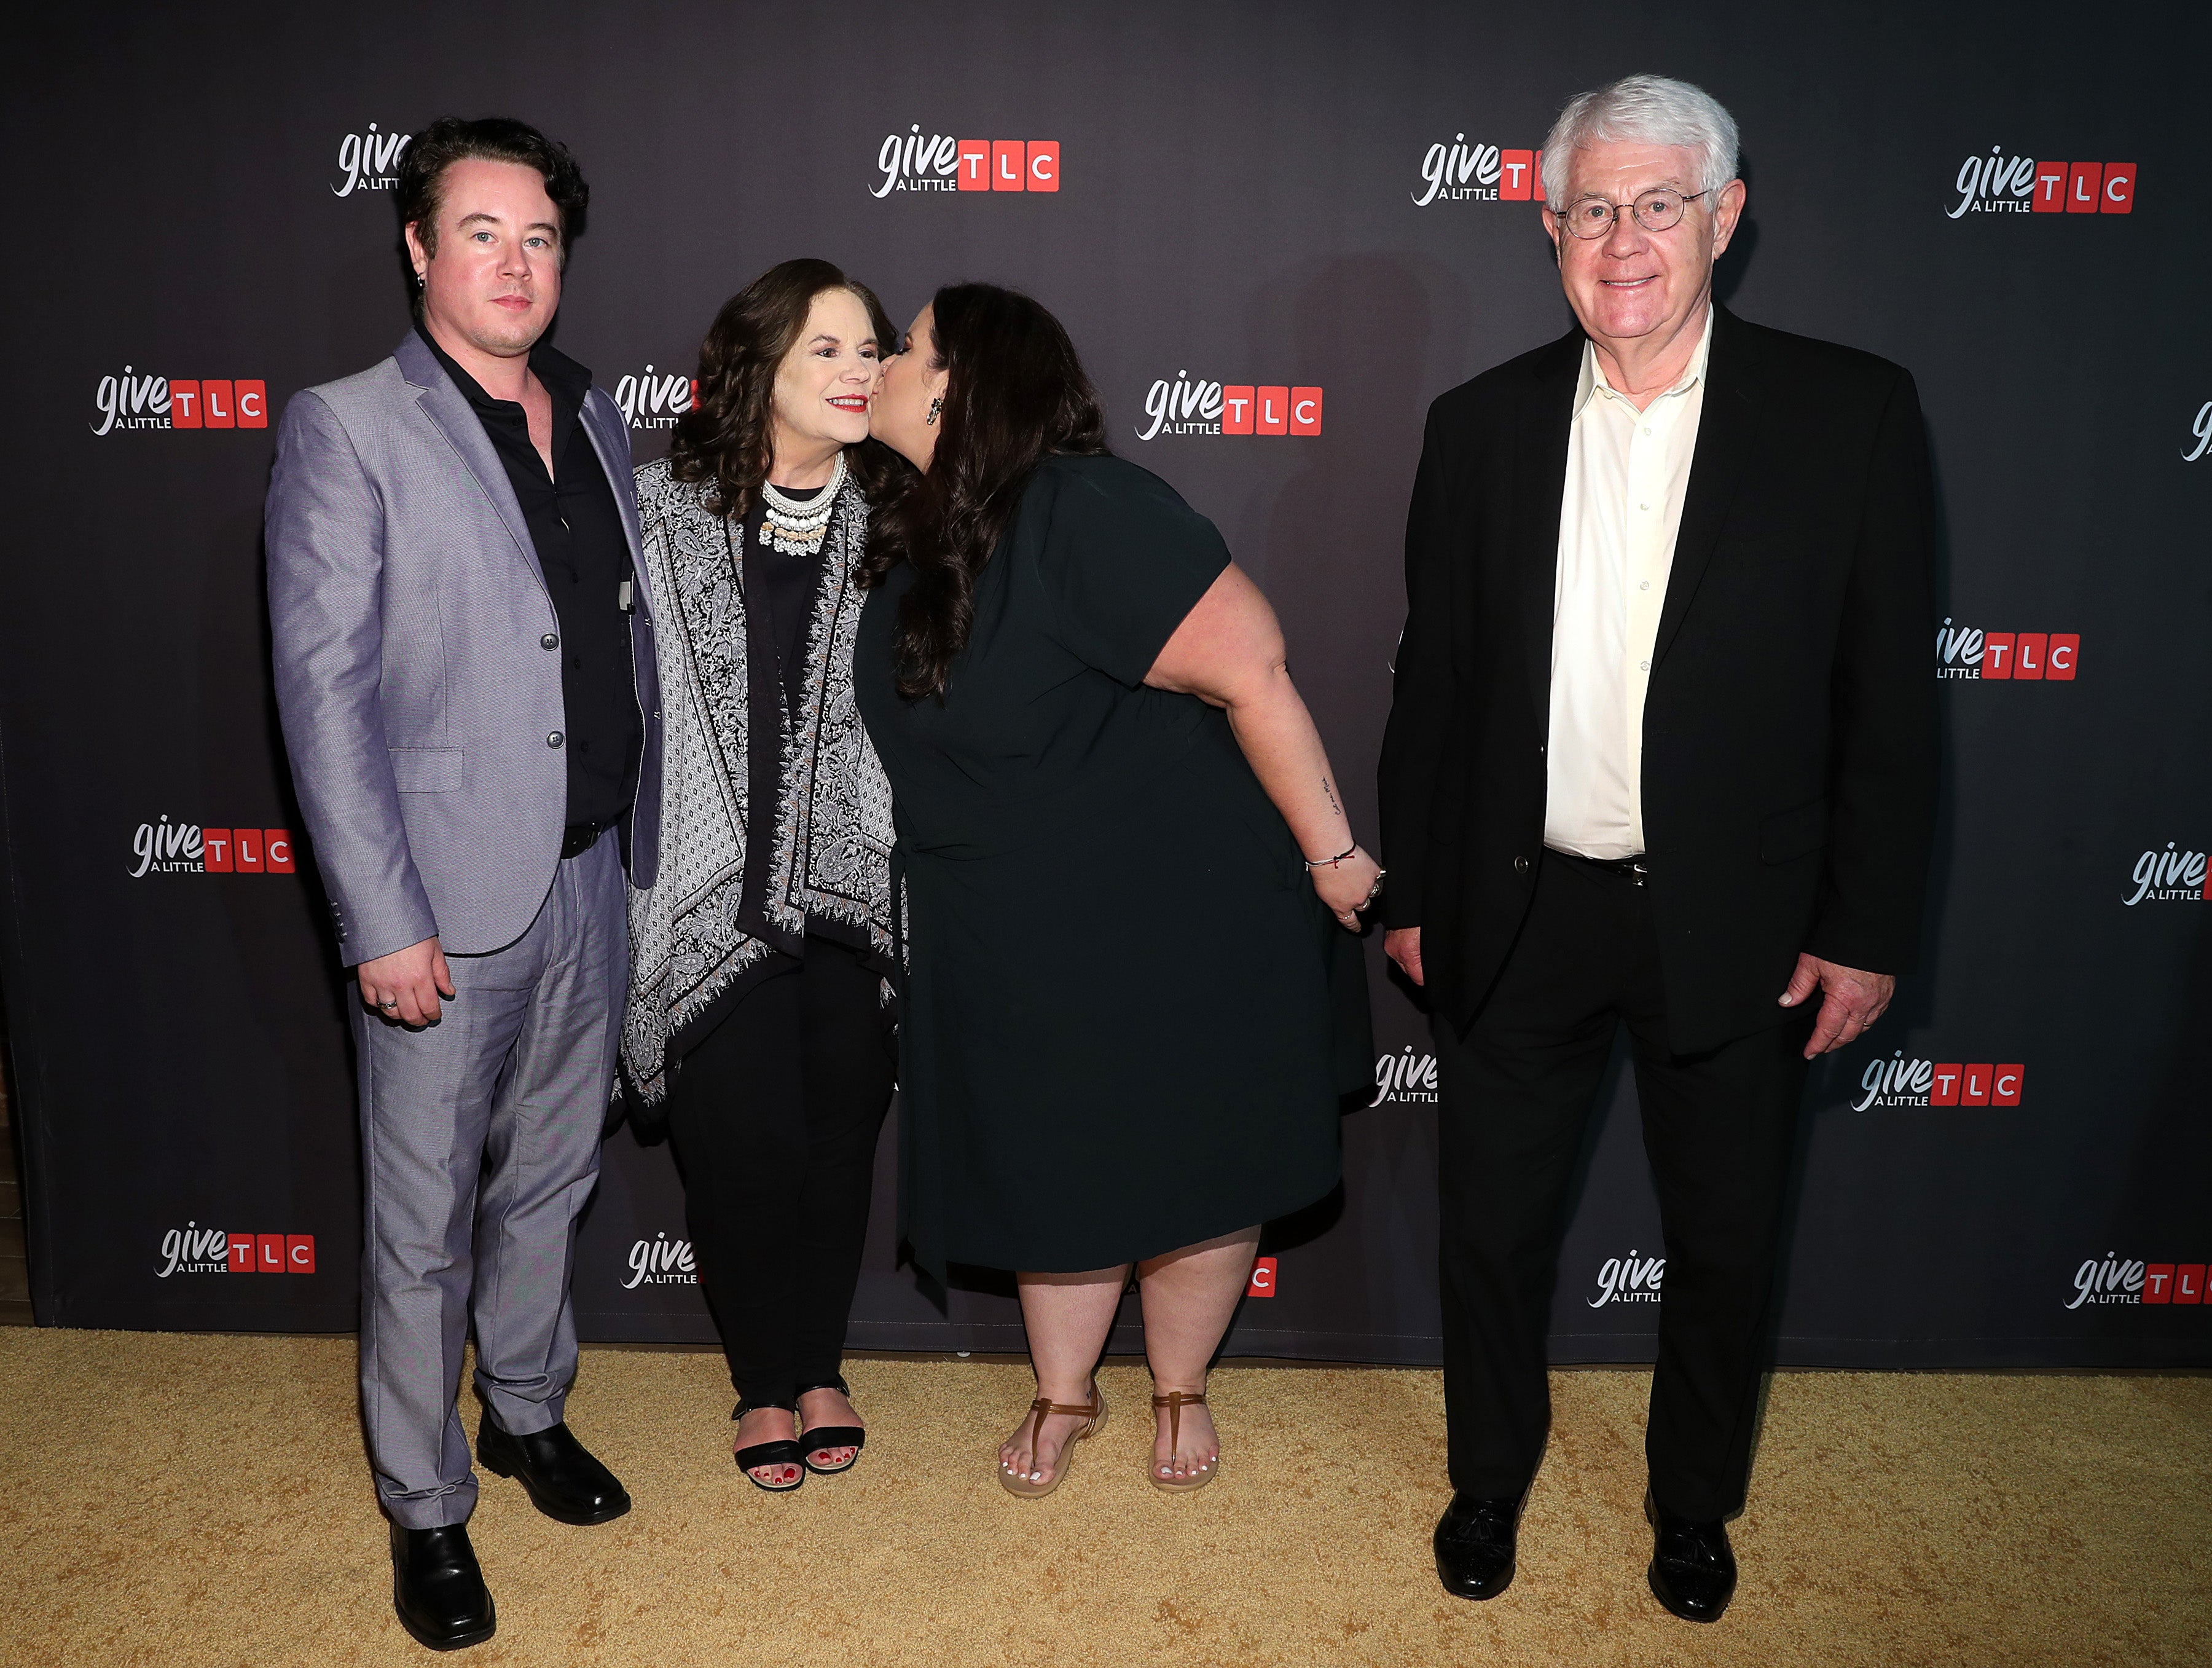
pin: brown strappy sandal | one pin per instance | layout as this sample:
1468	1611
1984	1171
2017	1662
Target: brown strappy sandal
1175	1402
1093	1412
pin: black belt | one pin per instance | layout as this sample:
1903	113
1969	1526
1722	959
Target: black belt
1636	868
582	837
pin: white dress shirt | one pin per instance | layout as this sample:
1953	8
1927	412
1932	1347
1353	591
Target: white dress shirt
1626	473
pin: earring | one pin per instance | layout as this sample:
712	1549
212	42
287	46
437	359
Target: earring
935	406
420	283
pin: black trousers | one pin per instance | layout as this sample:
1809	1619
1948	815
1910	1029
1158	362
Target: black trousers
1516	1097
774	1116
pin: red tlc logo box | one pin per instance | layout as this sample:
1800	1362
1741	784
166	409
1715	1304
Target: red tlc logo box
1968	653
131	401
1263	1283
2083	188
245	850
1200	406
2173	1282
272	1253
1008	165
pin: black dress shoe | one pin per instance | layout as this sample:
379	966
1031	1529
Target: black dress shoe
1475	1545
437	1589
1692	1569
563	1480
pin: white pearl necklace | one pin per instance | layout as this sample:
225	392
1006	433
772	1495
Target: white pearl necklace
797	528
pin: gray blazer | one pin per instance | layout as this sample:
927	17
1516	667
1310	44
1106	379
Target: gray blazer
407	609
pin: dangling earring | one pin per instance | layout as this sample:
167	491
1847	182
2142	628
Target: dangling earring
935	406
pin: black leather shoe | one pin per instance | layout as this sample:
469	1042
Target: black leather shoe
1475	1545
437	1589
563	1480
1692	1569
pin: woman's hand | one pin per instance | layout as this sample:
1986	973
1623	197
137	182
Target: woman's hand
1347	887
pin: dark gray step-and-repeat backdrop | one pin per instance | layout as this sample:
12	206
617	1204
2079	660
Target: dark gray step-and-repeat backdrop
1277	232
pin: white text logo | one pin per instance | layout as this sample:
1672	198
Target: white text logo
1186	406
2170	876
653	401
1898	1081
661	1261
1464	172
1629	1279
1405	1076
371	160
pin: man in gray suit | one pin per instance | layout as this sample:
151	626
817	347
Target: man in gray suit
464	666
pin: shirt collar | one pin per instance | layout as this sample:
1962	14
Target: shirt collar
1594	378
567	380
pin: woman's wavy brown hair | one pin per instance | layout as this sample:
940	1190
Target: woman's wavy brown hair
727	438
1015	393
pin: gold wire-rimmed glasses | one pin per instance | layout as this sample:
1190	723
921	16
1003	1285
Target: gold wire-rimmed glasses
1659	209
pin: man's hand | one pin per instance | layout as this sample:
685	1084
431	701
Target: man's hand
1403	946
404	987
1854	1000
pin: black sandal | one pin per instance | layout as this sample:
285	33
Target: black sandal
783	1452
821	1437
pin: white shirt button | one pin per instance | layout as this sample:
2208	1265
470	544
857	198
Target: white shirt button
1645	586
1643	666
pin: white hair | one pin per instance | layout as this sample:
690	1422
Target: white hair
1647	110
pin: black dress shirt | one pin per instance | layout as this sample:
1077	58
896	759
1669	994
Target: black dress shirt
576	527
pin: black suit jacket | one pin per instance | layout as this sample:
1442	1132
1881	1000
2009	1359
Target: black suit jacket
1790	738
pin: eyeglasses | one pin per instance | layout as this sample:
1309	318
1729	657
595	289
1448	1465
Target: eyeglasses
1659	209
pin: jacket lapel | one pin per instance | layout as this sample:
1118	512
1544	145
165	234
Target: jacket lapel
597	412
1540	472
446	407
1728	426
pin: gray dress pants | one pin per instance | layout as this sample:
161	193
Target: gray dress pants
480	1144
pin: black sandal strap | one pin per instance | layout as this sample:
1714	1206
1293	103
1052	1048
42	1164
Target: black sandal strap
833	1383
783	1452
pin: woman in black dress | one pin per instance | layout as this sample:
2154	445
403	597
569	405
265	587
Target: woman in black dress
758	1031
1121	848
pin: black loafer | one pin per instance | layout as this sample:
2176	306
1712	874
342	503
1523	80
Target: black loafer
1693	1567
1475	1542
437	1589
562	1479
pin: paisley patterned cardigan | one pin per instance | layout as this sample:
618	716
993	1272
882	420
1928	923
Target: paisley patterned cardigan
833	836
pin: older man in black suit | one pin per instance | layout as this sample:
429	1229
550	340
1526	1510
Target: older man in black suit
1662	753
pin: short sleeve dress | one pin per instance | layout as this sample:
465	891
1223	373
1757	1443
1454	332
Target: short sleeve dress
1125	1016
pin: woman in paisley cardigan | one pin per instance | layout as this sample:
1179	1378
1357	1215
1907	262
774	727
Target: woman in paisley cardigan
760	1029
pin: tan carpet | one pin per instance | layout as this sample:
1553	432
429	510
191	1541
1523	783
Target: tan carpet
177	1501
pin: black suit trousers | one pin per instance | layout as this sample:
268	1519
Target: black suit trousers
1516	1092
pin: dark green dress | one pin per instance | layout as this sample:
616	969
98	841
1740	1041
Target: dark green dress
1117	1036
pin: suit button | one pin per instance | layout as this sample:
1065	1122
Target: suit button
549	640
554	740
1520	865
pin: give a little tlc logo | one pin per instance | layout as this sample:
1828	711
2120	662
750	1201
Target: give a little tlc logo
2124	1281
1265	1272
132	401
369	161
1477	173
1630	1279
192	1249
918	162
1966	653
654	400
1999	183
1897	1081
1406	1075
2171	876
1188	407
661	1261
174	848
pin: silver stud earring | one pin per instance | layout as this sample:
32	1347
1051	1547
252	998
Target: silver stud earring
420	283
935	406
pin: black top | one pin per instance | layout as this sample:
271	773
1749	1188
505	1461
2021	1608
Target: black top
1079	1086
1790	728
779	590
576	527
